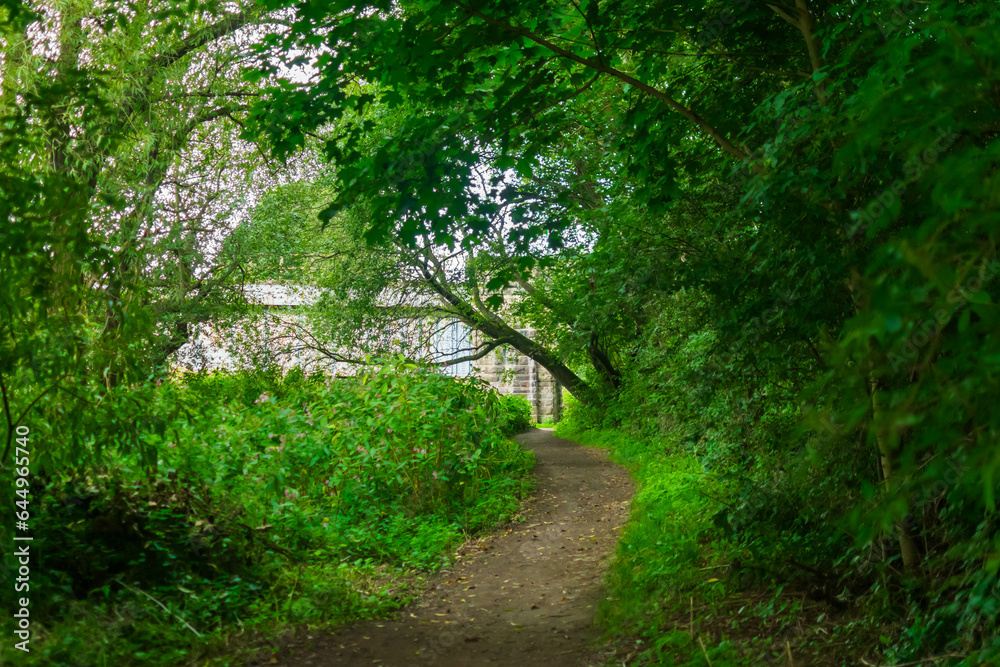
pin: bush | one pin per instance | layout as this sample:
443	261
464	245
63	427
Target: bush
577	417
515	414
241	494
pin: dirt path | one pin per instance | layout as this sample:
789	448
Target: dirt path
523	597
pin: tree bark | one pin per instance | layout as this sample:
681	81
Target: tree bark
907	545
495	328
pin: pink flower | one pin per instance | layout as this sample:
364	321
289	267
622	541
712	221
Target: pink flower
434	474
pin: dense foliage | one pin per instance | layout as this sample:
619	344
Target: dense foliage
256	502
516	414
756	241
761	233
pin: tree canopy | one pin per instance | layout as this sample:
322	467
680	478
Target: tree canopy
762	232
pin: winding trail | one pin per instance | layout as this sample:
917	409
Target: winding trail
524	596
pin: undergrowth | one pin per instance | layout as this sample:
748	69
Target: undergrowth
681	593
248	505
766	529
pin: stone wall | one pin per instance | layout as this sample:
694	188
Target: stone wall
514	373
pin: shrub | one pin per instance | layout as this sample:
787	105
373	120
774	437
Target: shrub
515	414
238	491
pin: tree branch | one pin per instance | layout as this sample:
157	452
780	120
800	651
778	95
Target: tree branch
486	349
801	18
599	66
200	38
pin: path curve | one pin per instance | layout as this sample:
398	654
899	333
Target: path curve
524	596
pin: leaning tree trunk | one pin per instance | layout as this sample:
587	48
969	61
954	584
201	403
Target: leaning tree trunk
494	327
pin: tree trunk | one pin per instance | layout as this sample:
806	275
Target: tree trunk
544	357
907	546
493	327
602	363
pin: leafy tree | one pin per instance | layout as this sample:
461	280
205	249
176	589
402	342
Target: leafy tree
122	174
397	297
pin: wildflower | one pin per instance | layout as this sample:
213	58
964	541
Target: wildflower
389	430
171	444
434	474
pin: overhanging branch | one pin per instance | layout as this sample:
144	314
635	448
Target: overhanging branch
599	66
